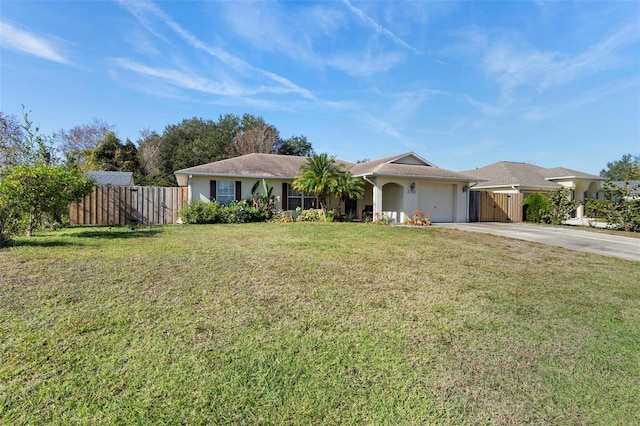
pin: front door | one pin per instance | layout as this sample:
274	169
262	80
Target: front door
351	205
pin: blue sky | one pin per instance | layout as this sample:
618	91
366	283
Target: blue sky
463	84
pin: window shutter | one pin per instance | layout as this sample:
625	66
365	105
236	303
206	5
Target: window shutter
285	194
238	190
212	190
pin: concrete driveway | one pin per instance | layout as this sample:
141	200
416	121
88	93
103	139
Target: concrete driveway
562	236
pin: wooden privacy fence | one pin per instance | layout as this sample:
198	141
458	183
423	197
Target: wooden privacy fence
122	205
495	207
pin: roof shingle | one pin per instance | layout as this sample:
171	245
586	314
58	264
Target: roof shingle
509	173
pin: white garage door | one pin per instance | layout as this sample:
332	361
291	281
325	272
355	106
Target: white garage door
436	199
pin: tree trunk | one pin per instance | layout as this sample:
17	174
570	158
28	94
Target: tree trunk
31	226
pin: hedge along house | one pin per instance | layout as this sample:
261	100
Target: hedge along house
395	186
514	177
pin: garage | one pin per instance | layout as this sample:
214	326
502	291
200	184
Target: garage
437	200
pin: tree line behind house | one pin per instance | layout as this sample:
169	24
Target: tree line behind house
153	157
41	175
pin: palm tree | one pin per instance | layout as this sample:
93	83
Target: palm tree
350	187
322	176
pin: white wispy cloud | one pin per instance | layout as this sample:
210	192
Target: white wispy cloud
288	34
484	108
558	108
601	56
365	64
15	38
295	35
142	10
180	78
222	85
242	83
379	28
515	66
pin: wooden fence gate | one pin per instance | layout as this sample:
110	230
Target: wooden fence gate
495	207
122	205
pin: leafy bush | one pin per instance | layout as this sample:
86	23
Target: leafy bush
350	216
537	207
36	194
310	215
263	201
596	208
203	212
243	212
621	207
560	206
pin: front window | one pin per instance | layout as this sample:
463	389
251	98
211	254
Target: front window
226	192
297	199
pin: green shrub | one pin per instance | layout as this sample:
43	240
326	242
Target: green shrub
560	206
310	215
596	208
537	208
621	207
243	212
202	212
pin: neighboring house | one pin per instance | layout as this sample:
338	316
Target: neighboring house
513	177
634	187
111	178
396	185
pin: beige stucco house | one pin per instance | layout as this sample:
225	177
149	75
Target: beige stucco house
395	186
514	177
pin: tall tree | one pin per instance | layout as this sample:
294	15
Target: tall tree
39	148
195	141
625	169
255	135
113	155
150	171
295	145
13	149
78	143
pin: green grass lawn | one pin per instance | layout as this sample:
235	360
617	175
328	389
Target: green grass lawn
314	324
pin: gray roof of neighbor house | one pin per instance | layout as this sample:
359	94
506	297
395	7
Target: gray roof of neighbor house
510	173
634	185
111	178
287	166
564	173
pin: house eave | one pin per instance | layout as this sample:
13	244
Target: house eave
235	175
479	187
575	177
410	176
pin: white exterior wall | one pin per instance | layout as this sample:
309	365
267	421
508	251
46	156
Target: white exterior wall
443	201
199	187
579	188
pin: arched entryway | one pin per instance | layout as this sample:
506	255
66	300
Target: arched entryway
393	201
